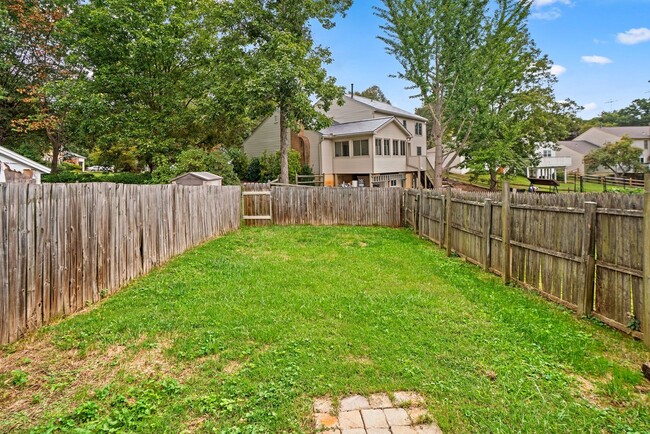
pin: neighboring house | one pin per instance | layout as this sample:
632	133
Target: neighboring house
570	154
14	168
373	143
71	157
198	178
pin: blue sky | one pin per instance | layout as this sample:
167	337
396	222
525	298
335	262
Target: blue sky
601	51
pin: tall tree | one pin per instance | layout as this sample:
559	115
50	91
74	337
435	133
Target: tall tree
635	114
374	92
475	68
36	60
619	157
288	65
153	68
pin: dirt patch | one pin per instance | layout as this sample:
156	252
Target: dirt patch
39	377
232	367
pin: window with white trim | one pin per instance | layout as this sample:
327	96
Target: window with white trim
404	123
546	153
360	148
418	129
377	146
395	147
387	147
342	149
419	150
402	147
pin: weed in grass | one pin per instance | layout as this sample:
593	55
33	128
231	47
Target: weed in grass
19	378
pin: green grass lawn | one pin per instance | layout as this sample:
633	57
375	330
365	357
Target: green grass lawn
240	334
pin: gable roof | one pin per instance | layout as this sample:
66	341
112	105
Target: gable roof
365	126
580	146
17	158
206	176
632	132
385	108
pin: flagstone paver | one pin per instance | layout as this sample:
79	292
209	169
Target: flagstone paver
356	402
375	415
380	400
350	419
325	420
397	417
374	419
323	405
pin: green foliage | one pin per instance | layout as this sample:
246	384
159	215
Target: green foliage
19	378
239	161
74	176
288	67
636	114
619	157
374	92
267	167
196	160
484	85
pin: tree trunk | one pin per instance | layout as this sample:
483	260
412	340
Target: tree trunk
436	132
284	149
493	180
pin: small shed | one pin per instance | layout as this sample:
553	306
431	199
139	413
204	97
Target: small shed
198	178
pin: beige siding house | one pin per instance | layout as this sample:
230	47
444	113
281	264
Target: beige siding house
370	143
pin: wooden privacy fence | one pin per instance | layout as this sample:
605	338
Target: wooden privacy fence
63	246
584	251
265	204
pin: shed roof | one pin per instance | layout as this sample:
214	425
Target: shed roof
15	157
364	126
206	176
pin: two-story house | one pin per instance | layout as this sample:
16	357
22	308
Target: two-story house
569	155
370	142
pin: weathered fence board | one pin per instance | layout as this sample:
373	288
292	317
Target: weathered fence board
337	206
63	246
554	248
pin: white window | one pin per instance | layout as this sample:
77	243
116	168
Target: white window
546	152
386	146
393	182
418	129
404	123
402	147
360	148
419	150
377	146
342	149
395	147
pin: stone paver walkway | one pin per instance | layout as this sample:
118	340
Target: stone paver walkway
377	414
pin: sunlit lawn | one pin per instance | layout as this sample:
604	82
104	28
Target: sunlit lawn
240	334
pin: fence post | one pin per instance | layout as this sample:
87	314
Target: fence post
505	232
487	230
582	186
443	207
586	296
448	219
605	184
420	211
645	320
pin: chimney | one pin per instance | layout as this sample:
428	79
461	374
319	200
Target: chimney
352	90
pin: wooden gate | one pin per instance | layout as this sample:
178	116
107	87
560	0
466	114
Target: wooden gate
256	204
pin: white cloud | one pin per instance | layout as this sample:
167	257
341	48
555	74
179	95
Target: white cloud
590	106
599	60
634	36
542	3
558	70
549	15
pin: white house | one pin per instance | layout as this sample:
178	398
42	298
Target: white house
373	143
198	178
14	168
